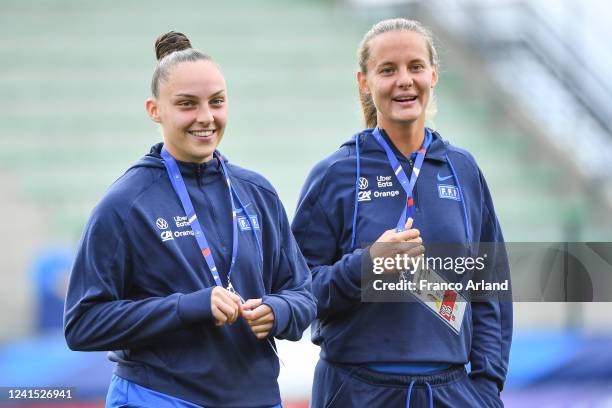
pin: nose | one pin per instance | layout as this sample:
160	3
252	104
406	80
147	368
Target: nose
205	115
404	79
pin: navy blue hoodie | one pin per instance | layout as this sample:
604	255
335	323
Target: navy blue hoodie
352	332
140	286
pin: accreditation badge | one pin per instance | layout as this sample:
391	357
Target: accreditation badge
449	305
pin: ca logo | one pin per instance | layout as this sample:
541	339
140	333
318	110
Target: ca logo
166	236
364	196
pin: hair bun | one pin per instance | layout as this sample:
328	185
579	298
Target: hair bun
169	43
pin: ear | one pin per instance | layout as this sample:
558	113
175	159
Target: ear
434	76
151	106
362	82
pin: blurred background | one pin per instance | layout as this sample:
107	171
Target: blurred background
524	85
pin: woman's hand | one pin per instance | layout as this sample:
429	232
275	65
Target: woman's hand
259	316
225	306
392	243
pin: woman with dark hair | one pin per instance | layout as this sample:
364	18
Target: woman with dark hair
400	354
187	268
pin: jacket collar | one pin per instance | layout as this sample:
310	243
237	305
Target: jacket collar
368	144
206	169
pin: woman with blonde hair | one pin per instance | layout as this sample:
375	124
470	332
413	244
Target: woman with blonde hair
399	182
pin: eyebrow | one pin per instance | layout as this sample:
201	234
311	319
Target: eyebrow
412	61
185	95
218	93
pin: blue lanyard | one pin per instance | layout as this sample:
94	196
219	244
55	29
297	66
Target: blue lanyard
407	185
181	191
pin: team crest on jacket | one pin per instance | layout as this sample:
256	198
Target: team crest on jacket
243	222
448	192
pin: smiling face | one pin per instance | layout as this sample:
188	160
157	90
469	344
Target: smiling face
192	110
399	77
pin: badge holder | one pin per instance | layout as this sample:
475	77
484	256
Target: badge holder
448	305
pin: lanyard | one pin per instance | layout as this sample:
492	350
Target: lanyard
407	185
181	191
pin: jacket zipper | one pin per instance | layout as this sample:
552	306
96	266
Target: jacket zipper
199	174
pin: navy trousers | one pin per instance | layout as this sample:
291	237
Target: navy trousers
345	386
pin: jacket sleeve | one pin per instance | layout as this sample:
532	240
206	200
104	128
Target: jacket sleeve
291	299
492	318
336	277
98	315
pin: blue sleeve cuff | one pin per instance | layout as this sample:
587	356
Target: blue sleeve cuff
195	307
281	311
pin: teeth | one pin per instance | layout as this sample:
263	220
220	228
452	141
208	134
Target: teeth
202	133
404	99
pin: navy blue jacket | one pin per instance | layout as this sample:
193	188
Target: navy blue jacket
352	332
140	286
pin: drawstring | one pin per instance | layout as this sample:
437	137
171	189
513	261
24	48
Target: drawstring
409	392
354	229
468	234
429	392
